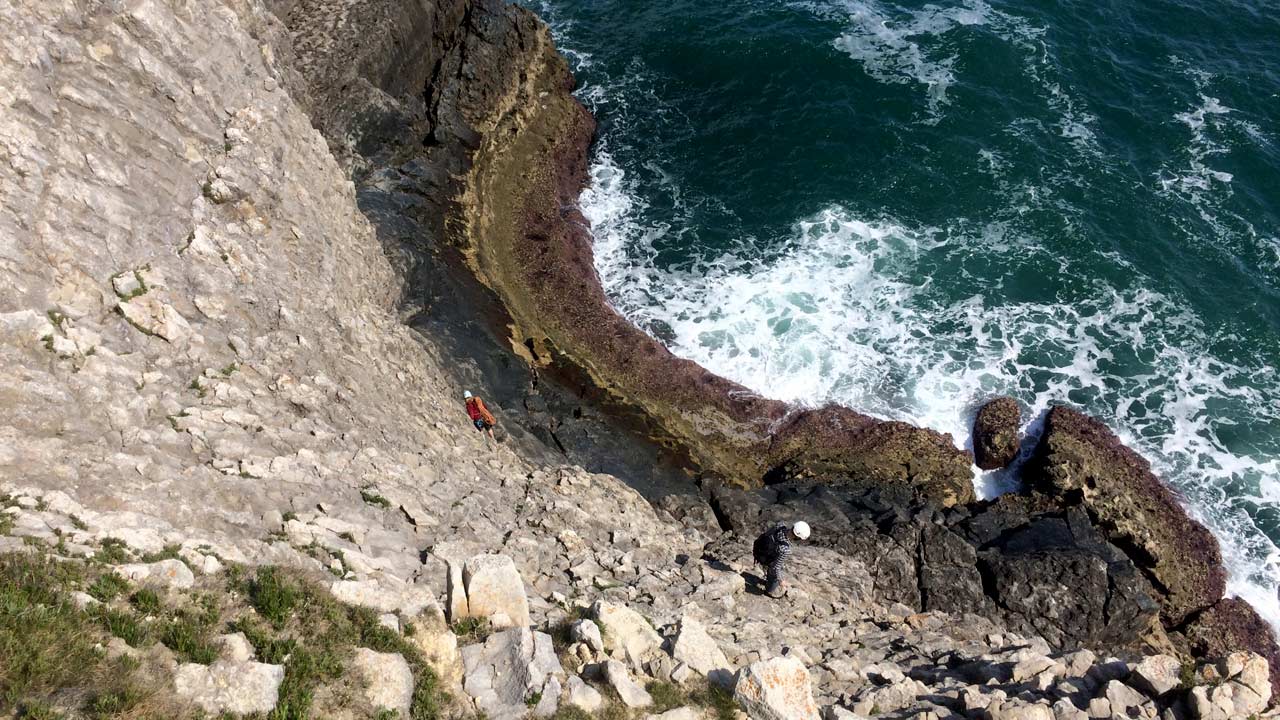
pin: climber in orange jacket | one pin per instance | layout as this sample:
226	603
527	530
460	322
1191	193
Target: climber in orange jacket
479	414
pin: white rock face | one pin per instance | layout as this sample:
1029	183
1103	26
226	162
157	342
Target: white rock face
632	694
581	695
230	687
776	689
495	591
385	595
694	647
1157	674
438	645
388	679
234	648
627	631
507	669
165	573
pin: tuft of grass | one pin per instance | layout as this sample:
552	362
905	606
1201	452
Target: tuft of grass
189	639
666	696
124	624
112	552
1187	675
471	630
570	712
170	552
145	601
290	515
273	595
373	498
107	587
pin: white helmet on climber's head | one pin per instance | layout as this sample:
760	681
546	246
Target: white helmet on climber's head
466	394
801	530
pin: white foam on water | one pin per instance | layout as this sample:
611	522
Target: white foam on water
845	314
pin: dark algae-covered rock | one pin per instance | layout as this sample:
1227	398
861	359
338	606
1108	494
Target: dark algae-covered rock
995	433
1037	569
1080	461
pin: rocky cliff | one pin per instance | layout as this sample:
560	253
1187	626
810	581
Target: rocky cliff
236	476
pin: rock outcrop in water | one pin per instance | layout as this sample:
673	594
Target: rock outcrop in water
214	215
995	433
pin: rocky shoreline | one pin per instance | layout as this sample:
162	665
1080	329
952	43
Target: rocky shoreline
236	338
1089	500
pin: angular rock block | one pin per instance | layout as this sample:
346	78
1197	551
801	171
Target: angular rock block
776	689
495	591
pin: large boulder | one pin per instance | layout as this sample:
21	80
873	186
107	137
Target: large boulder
1080	460
388	680
633	695
495	591
508	669
995	433
165	573
627	631
695	648
235	688
776	689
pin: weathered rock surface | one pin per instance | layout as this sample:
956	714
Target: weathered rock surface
387	679
776	689
238	688
995	433
495	591
509	668
1078	455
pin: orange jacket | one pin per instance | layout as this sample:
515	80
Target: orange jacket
477	411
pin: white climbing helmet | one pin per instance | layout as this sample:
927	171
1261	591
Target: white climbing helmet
801	530
466	394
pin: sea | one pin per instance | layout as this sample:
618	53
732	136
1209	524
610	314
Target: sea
908	208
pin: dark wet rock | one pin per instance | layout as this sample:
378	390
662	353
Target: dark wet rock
1229	625
995	433
1062	579
1037	568
1080	461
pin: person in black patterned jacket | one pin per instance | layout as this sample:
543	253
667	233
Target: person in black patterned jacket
772	549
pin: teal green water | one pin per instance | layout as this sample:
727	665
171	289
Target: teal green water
908	207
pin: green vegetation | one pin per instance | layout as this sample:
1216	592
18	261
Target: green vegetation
373	498
47	646
145	601
471	630
170	552
107	587
112	552
317	634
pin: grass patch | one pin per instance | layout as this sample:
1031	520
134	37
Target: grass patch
471	630
188	636
317	634
170	552
112	552
146	602
49	666
371	497
124	624
107	587
273	596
